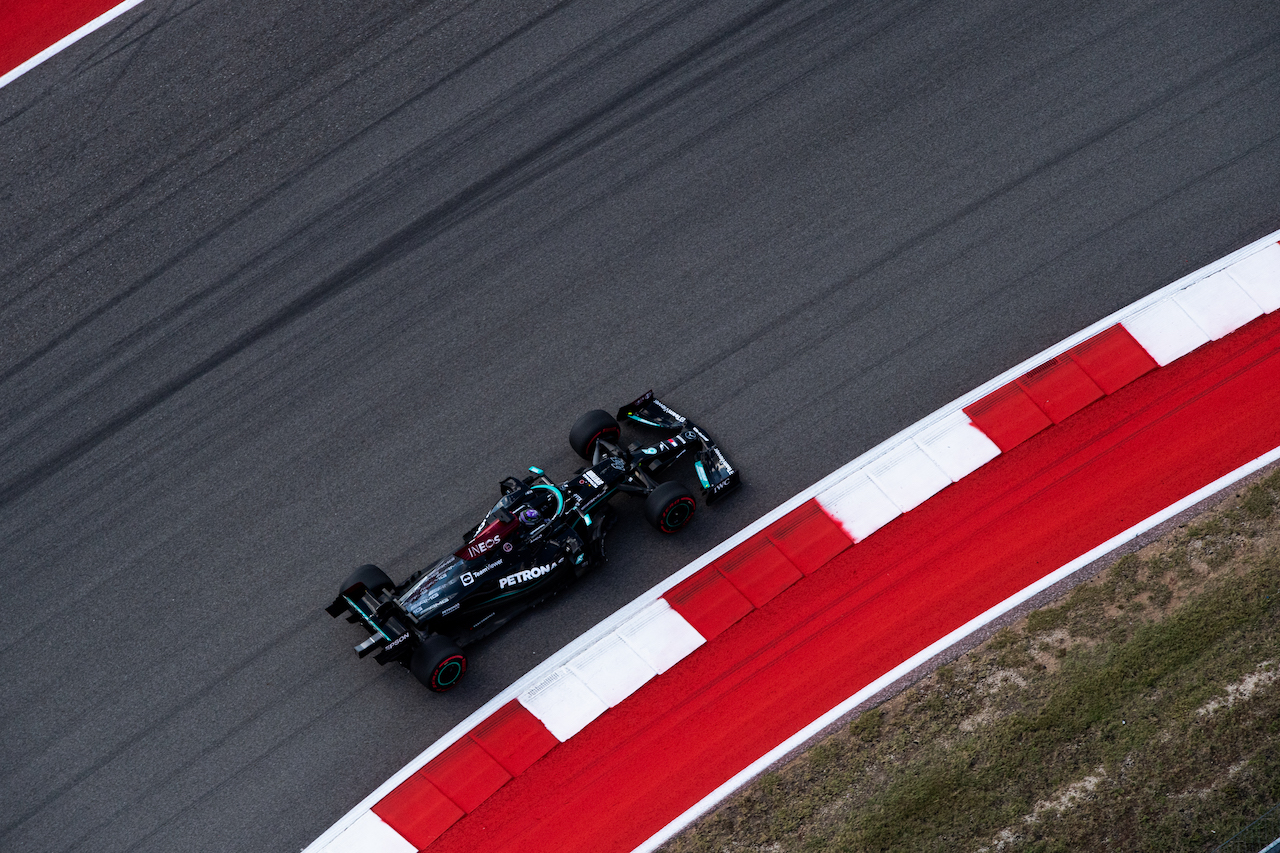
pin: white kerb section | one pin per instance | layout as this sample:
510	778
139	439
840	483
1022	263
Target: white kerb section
563	702
368	834
660	636
858	504
907	475
610	669
1218	305
1259	276
959	447
1165	331
1211	308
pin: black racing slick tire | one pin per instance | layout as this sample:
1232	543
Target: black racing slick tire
374	578
438	663
669	507
588	429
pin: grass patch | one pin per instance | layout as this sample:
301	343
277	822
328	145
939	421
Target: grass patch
1141	712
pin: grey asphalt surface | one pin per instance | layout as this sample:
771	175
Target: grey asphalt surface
289	287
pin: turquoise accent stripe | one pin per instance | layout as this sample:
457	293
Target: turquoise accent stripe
556	492
366	617
452	666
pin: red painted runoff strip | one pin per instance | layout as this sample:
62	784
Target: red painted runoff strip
1058	494
29	26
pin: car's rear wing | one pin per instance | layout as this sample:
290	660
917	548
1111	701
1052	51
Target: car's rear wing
386	631
717	476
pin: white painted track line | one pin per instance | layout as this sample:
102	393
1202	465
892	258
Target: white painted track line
66	42
368	834
1259	275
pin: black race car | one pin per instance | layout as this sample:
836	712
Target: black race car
539	537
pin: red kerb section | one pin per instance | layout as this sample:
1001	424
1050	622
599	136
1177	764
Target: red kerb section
708	602
808	537
466	774
758	570
514	737
29	26
1008	416
1112	358
418	811
1062	386
1059	387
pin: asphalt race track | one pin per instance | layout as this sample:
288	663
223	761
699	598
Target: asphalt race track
289	287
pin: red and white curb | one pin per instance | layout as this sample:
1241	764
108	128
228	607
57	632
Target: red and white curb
68	40
647	637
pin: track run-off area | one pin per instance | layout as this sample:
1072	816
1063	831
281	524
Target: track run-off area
287	288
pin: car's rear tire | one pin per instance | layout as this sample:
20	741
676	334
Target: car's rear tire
590	428
438	663
669	507
371	576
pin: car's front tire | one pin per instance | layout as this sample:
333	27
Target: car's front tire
590	428
669	507
438	663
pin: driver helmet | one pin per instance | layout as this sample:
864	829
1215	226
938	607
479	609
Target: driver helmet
530	517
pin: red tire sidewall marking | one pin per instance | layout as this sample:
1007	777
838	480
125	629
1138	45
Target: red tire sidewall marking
667	512
440	687
601	434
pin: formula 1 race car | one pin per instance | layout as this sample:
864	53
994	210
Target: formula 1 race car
539	537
